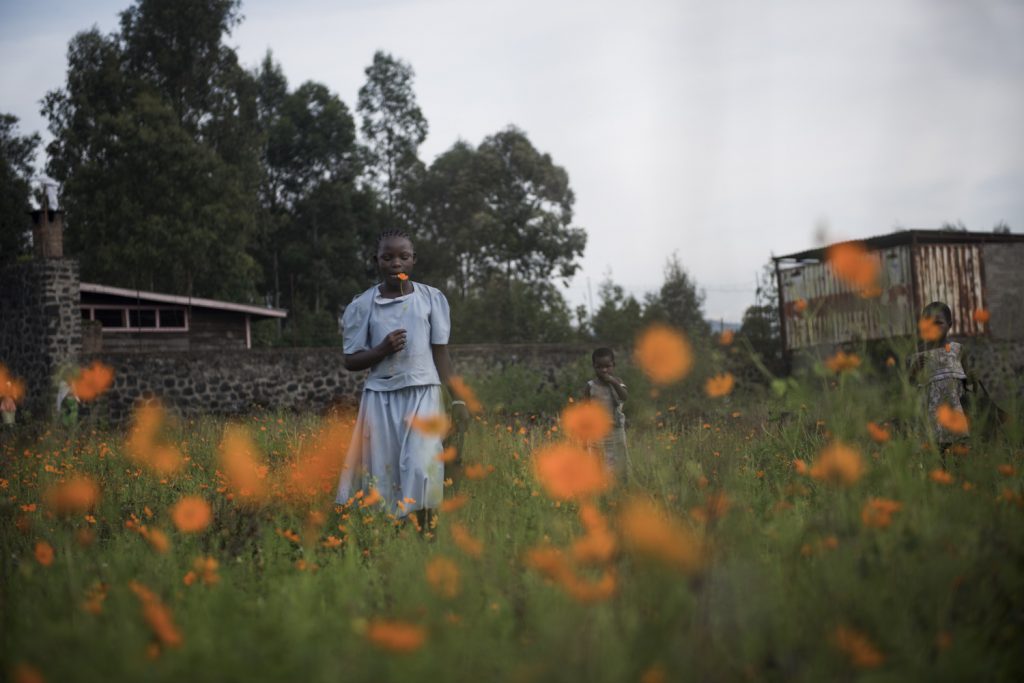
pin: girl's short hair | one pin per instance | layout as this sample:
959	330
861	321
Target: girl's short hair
602	352
936	308
387	234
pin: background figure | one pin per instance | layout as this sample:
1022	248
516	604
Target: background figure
940	371
610	392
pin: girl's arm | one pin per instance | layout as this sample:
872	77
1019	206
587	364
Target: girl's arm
443	363
360	360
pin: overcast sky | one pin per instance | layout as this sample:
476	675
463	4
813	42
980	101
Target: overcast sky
724	131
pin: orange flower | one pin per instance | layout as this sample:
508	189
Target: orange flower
862	652
552	563
157	616
443	577
478	471
567	472
10	387
647	530
838	463
396	636
463	392
75	496
403	277
719	385
928	331
981	316
586	421
852	263
454	503
157	540
23	672
448	455
878	433
951	419
92	381
940	476
44	553
726	337
800	305
191	514
1006	470
800	466
372	499
206	567
598	545
246	475
434	425
842	362
877	512
664	354
715	506
94	598
466	542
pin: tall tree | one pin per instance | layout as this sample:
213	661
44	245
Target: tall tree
619	317
393	127
16	154
155	142
760	325
678	302
309	233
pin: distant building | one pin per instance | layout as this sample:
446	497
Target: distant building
967	270
116	319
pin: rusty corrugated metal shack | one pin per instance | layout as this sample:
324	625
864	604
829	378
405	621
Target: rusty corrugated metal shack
967	270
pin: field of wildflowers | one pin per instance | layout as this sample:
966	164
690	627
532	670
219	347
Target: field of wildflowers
804	532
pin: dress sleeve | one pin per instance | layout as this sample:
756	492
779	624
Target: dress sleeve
440	318
355	325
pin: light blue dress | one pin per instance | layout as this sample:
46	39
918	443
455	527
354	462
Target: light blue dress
386	453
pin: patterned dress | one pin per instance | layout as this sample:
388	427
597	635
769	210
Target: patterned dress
944	382
614	445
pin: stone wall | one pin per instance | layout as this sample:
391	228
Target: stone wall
311	379
40	327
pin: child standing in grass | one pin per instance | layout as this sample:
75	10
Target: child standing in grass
940	371
399	330
609	391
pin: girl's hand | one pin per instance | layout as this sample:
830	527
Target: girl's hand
393	343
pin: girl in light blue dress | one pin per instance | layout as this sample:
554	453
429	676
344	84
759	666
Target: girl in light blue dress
398	330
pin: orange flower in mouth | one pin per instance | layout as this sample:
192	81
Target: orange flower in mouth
403	277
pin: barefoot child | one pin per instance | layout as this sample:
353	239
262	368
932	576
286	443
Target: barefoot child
398	330
940	371
610	391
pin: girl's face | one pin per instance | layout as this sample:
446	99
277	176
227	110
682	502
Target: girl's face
942	324
395	256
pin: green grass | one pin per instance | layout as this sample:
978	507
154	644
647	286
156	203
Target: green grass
939	593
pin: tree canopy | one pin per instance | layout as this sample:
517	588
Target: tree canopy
16	155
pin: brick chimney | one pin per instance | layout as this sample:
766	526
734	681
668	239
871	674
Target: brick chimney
48	226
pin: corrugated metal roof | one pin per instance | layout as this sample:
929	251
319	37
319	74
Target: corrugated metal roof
903	237
195	302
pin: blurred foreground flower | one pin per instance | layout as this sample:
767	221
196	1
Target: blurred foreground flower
586	421
877	512
44	553
443	577
940	476
191	514
10	387
466	542
852	263
553	564
981	316
842	362
598	544
861	652
647	530
663	353
463	392
878	433
567	472
952	419
246	474
434	425
76	496
839	464
928	331
395	636
157	616
719	385
726	337
92	381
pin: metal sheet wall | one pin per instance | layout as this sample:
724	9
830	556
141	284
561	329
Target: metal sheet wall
951	273
836	313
